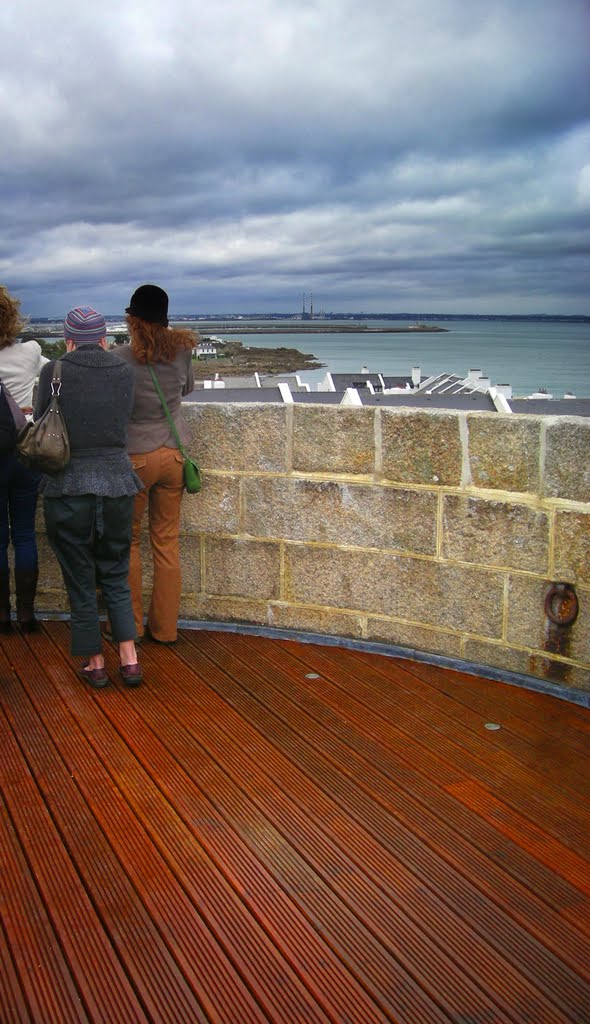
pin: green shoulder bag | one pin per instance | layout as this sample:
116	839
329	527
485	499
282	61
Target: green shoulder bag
193	480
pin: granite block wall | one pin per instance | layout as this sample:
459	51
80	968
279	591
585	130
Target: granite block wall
432	530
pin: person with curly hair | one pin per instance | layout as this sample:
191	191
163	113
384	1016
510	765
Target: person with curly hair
154	454
20	365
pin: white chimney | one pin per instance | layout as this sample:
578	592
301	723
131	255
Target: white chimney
473	375
416	376
504	389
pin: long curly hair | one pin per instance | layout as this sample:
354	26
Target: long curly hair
11	321
152	343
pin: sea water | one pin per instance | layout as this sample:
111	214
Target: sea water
526	354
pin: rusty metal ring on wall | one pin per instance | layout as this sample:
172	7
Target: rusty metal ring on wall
568	602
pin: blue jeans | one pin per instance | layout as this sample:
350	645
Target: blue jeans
18	502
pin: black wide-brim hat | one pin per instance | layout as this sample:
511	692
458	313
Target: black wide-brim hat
149	303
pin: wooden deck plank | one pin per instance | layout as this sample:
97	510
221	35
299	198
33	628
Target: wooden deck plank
151	968
247	845
287	877
556	975
521	737
453	719
46	981
534	840
13	1005
459	701
321	696
294	875
120	795
570	728
279	989
484	756
87	951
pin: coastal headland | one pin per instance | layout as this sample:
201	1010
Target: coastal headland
236	360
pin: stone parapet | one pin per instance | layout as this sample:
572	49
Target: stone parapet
440	532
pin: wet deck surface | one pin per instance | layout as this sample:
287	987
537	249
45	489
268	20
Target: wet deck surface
271	831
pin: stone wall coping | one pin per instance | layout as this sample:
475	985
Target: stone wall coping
406	410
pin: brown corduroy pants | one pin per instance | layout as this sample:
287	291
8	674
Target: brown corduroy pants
161	474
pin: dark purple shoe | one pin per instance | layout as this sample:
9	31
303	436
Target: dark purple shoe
131	674
96	677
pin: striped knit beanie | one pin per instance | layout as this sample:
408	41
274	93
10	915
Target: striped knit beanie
84	326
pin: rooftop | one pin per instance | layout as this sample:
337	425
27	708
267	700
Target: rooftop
271	831
474	392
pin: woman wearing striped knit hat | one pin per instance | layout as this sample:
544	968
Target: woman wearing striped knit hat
89	505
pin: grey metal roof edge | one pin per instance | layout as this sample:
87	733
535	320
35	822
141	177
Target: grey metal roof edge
237	396
476	401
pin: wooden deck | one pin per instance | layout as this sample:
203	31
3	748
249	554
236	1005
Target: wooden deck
271	831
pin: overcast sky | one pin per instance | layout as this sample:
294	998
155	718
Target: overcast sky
402	155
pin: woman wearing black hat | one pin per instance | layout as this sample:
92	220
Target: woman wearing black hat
154	454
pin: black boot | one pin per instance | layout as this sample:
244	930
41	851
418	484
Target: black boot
26	587
5	624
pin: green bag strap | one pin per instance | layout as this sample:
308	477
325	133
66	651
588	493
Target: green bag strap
173	429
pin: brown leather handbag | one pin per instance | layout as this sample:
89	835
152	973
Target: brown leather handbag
44	444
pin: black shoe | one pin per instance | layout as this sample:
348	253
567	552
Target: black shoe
30	626
25	583
5	626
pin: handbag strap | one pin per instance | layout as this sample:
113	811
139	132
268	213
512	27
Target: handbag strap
56	379
173	429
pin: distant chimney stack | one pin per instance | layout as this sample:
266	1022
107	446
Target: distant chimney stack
416	376
364	369
504	389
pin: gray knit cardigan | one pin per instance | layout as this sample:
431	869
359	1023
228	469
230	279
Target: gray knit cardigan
96	400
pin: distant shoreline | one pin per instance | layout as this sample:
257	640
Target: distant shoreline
323	329
206	327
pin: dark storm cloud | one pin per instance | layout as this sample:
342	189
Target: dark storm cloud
433	154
